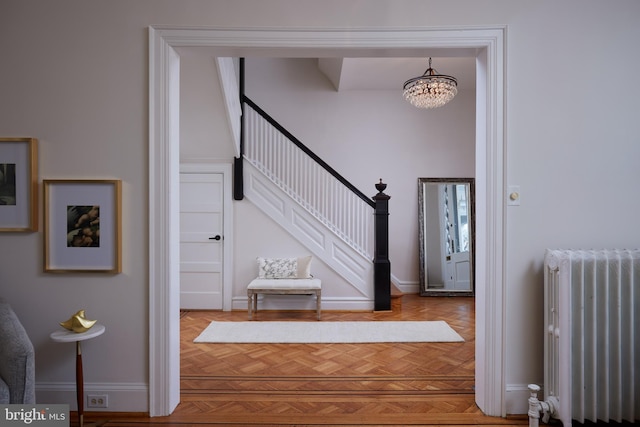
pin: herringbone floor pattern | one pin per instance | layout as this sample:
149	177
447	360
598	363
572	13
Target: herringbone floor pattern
396	384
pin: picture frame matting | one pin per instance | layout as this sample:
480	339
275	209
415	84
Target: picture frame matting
82	225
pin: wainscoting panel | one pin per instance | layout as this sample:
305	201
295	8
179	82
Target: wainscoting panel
323	243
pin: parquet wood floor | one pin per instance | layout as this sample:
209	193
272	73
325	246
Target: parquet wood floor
396	384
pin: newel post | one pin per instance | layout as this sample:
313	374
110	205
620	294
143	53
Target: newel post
381	264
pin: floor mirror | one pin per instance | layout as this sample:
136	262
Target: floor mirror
446	234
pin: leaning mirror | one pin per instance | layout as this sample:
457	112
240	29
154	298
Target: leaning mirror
446	234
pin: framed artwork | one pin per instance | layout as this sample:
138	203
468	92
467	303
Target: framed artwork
18	184
82	225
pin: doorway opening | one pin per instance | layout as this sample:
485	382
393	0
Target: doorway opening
164	69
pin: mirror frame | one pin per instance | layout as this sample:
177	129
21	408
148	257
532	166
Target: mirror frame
423	285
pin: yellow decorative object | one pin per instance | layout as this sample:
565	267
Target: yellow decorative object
78	322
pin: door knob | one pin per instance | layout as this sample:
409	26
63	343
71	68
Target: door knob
217	237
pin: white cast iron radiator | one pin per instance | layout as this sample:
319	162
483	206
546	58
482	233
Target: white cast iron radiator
592	336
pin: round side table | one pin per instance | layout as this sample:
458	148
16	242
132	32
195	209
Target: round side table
77	337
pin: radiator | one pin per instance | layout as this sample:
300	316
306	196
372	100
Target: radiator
592	335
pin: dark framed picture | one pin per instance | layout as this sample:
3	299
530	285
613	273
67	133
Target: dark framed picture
18	184
82	226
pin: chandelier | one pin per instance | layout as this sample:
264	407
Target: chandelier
430	90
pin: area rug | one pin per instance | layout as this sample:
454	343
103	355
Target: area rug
328	332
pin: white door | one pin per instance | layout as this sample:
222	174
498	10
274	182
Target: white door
458	276
201	240
455	237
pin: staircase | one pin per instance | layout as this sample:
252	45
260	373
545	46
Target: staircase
310	200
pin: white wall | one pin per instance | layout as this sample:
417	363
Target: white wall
204	130
74	75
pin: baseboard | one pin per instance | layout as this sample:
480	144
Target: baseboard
406	287
517	398
121	397
304	302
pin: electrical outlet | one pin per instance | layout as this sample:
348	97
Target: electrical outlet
97	401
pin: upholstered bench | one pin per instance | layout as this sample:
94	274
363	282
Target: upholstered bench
283	287
283	276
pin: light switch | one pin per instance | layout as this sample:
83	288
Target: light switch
513	195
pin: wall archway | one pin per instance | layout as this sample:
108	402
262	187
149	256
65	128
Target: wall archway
164	71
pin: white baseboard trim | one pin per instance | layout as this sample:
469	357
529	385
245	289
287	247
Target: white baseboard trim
409	289
304	302
122	397
517	398
406	287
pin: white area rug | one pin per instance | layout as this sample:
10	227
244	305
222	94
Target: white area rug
328	332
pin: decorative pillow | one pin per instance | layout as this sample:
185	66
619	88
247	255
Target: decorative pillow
284	268
304	267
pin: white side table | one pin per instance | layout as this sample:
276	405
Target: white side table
77	337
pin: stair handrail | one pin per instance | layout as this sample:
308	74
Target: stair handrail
308	151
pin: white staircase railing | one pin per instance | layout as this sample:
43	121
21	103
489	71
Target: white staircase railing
309	181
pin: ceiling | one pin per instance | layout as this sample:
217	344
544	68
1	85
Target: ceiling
361	69
391	73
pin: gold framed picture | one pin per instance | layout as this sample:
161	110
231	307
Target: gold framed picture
82	226
18	184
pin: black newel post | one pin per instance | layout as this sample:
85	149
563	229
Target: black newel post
238	185
381	264
238	174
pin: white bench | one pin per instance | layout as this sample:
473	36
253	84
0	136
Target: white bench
283	287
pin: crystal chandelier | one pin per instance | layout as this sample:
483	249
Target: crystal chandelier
430	90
